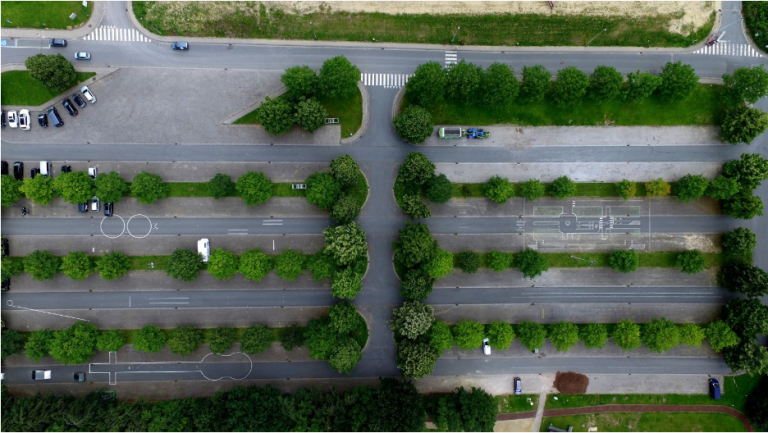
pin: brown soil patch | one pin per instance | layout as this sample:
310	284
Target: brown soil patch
571	383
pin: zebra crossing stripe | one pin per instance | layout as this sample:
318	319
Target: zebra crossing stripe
724	49
451	58
390	81
111	33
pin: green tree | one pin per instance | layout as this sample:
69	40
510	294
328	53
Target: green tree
464	81
657	188
691	334
498	261
345	243
321	339
10	190
536	82
41	265
11	268
743	205
184	265
677	81
416	359
74	187
720	336
427	85
321	266
531	263
150	339
499	84
54	71
660	335
77	265
746	84
110	340
440	336
346	284
468	262
478	410
300	82
500	335
532	189
627	189
691	187
113	265
414	124
626	335
289	264
75	344
562	187
38	344
322	190
345	209
748	318
531	334
221	339
691	261
254	188
468	334
640	85
624	261
345	170
723	188
412	320
109	187
570	86
593	335
346	356
743	124
440	265
39	189
756	408
750	170
276	115
344	317
310	114
412	206
605	83
292	337
416	285
12	343
750	357
499	189
255	265
220	186
415	245
417	169
745	278
563	335
338	78
739	242
439	189
148	188
185	340
256	339
223	264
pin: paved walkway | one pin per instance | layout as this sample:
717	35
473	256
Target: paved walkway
539	412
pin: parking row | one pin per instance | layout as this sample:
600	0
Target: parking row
51	115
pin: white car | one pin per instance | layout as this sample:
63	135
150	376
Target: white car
88	95
13	119
41	374
95	204
204	249
82	55
24	120
93	172
486	346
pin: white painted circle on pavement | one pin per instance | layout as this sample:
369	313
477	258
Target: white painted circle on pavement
129	229
112	237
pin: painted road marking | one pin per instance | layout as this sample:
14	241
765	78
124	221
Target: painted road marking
112	33
237	231
451	58
169	301
726	49
389	81
272	222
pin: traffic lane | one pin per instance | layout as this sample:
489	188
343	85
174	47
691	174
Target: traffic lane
541	365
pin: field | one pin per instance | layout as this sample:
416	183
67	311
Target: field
44	15
649	421
18	88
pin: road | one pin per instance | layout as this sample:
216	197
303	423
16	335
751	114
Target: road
379	152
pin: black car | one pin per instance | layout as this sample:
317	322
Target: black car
79	376
6	250
34	172
78	100
66	168
182	46
5	167
18	170
82	207
3	119
68	105
53	116
109	209
61	43
6	285
42	119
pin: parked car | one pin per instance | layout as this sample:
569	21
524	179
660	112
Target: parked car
486	346
518	385
53	116
79	376
18	170
41	374
42	120
78	100
82	55
13	119
5	249
68	105
24	119
59	43
93	172
204	249
5	167
34	172
2	118
45	168
82	207
66	168
714	389
88	95
95	204
6	285
181	46
109	209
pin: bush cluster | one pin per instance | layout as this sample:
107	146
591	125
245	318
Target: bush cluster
336	337
342	192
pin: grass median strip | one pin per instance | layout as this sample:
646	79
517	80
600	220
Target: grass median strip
200	189
666	259
647	421
583	189
18	88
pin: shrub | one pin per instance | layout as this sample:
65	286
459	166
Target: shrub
439	189
346	284
468	335
38	344
412	206
345	243
322	190
113	265
743	206
531	263
440	265
624	261
415	245
301	82
223	264
691	261
746	84
468	261
150	339
532	189
660	335
276	116
427	85
536	82
750	170
256	339
289	265
346	356
77	265
74	187
498	261
500	86
414	124
321	338
569	87
416	285
75	344
416	170
254	188
500	335
39	189
110	187
292	337
412	320
464	81
571	383
605	83
148	188
440	336
41	265
499	189
593	335
54	71
721	336
743	124
563	335
677	81
344	317
562	187
9	189
14	268
345	170
626	335
184	265
346	209
416	359
310	114
531	334
723	188
221	186
338	78
185	340
640	85
321	266
742	277
691	187
12	343
739	242
255	265
221	339
110	340
691	335
627	189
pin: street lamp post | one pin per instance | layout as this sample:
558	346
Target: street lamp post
456	33
590	41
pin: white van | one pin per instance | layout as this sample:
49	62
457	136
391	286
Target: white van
45	168
204	249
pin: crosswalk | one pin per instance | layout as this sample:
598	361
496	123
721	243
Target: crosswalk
389	81
112	33
451	58
726	49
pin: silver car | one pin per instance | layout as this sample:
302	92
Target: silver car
41	374
82	55
88	95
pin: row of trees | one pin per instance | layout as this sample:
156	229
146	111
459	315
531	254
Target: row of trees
416	177
749	319
338	337
392	405
337	79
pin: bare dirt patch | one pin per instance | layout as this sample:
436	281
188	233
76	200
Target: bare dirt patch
571	383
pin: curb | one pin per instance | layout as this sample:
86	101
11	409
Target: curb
366	118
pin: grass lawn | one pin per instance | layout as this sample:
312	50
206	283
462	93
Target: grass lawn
18	88
645	422
255	20
200	189
703	107
55	15
591	189
516	403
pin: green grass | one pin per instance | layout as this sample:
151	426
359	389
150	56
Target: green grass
18	88
703	107
200	189
130	334
360	332
583	189
55	15
516	403
254	20
649	421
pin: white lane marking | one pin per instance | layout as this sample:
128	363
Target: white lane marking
10	304
726	49
111	33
